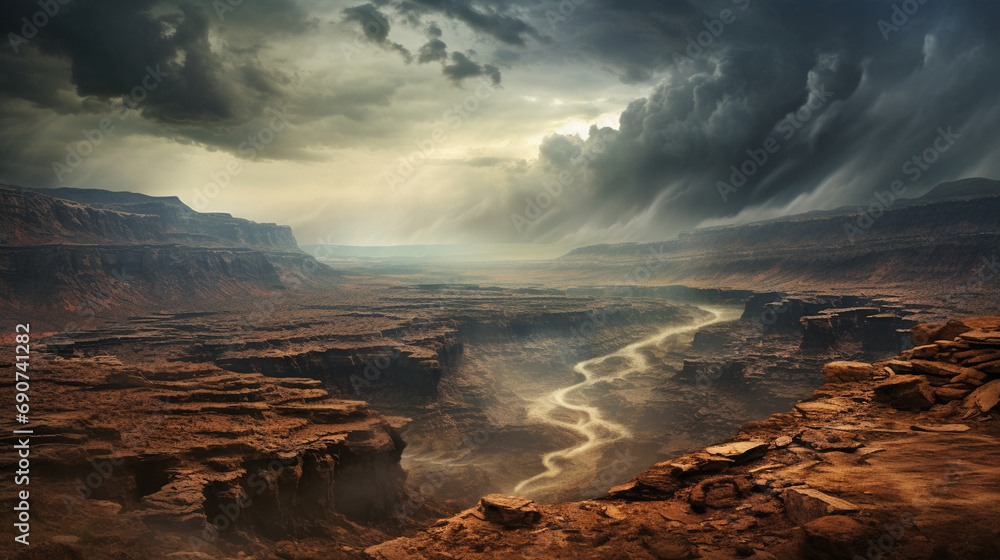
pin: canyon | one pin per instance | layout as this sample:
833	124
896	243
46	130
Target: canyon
204	388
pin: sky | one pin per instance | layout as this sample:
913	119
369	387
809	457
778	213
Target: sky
567	122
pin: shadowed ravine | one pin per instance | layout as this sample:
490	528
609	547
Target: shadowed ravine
596	430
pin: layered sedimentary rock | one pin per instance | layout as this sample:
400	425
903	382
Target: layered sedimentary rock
194	458
126	251
855	471
935	245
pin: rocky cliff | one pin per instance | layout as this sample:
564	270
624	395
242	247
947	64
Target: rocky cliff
119	251
893	460
937	245
172	458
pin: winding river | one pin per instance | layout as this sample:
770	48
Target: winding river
560	408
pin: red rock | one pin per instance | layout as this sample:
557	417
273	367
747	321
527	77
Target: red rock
985	398
509	511
940	368
905	392
807	504
926	351
846	372
926	333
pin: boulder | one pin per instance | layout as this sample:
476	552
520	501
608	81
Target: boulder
847	372
982	338
980	356
739	451
509	511
990	367
901	367
807	504
925	352
926	334
720	492
941	369
985	398
905	392
835	536
969	377
946	394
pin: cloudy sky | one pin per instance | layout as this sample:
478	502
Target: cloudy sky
510	121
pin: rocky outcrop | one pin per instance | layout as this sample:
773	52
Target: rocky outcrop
97	217
205	456
846	474
59	257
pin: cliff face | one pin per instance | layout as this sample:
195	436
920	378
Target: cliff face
204	456
896	459
945	239
90	216
124	249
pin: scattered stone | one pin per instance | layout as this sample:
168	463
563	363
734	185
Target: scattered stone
974	353
942	369
948	394
847	372
905	392
509	511
721	492
836	536
925	352
925	333
990	367
696	463
940	428
828	440
991	338
806	504
818	408
985	398
612	512
782	442
981	358
969	376
739	451
900	366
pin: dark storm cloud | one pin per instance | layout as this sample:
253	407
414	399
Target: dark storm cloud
463	67
113	45
865	98
375	25
434	49
487	18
